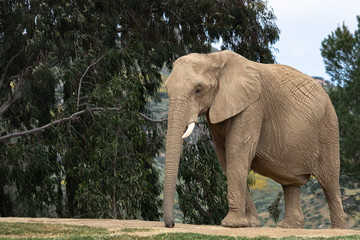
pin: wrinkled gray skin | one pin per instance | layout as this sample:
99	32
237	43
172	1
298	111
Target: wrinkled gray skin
266	117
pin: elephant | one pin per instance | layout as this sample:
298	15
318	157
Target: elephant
269	118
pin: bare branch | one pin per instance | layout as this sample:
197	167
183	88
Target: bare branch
83	75
71	118
152	120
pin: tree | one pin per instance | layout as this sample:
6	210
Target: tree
341	53
74	77
59	58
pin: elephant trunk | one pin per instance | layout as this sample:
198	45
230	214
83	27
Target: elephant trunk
177	121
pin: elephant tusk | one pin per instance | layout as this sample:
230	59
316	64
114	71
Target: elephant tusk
189	130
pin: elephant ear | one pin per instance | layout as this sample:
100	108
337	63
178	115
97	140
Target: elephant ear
238	85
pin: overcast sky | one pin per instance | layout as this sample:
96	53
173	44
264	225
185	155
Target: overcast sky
304	24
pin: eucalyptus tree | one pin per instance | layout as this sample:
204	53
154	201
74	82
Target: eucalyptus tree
74	77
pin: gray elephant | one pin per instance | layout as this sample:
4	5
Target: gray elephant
269	118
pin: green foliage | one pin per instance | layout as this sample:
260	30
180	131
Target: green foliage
57	58
251	29
118	178
341	53
33	179
274	209
61	57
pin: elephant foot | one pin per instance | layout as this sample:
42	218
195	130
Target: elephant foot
292	221
233	220
341	225
253	221
340	222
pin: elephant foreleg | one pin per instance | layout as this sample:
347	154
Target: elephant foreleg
250	210
220	153
241	141
236	216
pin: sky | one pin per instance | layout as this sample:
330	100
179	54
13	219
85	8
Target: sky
304	24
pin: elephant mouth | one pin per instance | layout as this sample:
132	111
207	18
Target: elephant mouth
189	130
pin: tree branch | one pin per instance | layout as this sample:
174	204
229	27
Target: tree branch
83	75
71	118
152	120
42	128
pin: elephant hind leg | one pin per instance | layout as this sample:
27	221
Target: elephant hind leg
294	217
331	189
328	178
328	170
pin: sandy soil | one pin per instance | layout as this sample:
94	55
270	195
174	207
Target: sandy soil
153	228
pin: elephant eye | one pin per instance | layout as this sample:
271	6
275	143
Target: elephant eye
197	91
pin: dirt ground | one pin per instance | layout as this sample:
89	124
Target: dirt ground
147	228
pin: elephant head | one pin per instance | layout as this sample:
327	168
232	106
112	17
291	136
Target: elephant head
220	85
